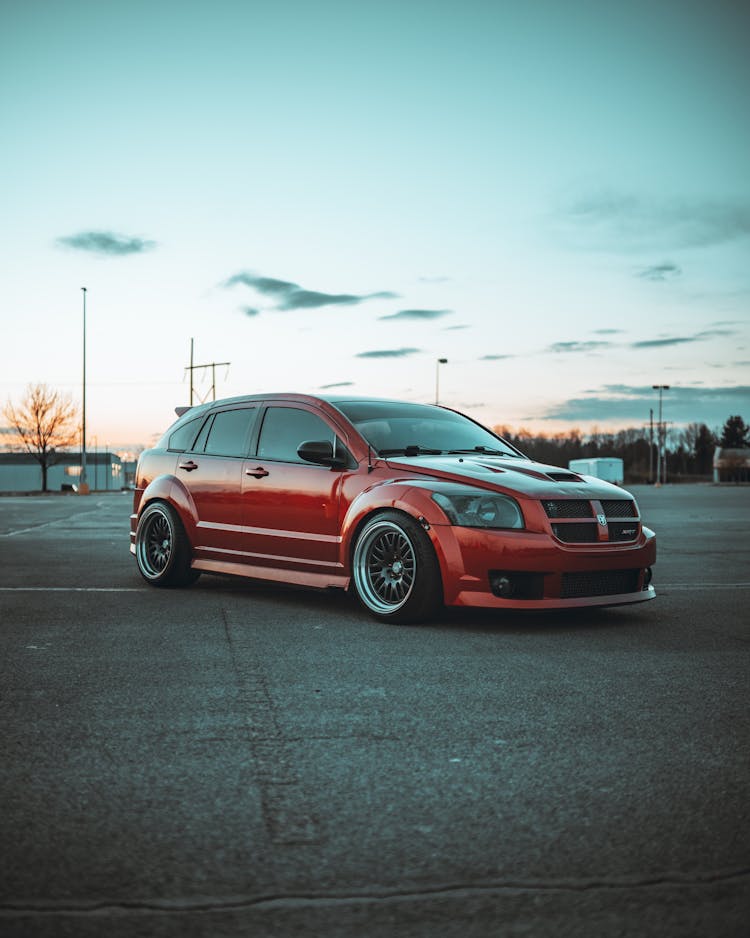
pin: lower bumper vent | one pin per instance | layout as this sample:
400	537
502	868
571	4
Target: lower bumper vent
599	583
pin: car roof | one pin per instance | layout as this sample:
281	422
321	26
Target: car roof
332	399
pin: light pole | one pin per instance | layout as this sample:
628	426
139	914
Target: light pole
659	433
650	444
440	361
83	488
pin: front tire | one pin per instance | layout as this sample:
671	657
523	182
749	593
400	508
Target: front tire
395	571
162	549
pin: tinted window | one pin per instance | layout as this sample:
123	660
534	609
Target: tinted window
284	428
183	436
391	426
229	432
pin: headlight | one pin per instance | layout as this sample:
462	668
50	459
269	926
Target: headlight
475	508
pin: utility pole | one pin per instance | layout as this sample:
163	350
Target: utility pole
660	433
191	368
192	342
439	362
83	485
651	444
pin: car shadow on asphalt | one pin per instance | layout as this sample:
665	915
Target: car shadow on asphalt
595	619
339	606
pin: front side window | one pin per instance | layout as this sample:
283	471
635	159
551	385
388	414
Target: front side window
284	428
228	433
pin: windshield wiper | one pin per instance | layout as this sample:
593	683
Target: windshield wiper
413	450
487	450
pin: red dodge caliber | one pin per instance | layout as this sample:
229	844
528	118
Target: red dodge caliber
410	506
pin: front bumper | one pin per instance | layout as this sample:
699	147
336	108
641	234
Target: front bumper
539	572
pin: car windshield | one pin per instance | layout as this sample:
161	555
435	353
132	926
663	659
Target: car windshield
420	429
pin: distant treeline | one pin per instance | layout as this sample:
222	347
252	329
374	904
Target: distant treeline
689	450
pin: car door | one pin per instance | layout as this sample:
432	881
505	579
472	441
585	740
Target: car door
291	507
211	471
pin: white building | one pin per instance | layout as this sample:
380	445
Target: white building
20	472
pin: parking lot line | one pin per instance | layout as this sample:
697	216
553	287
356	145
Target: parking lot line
696	587
73	589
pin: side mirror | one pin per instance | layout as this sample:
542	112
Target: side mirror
320	452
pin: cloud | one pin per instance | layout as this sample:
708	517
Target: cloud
608	331
664	343
389	353
419	314
683	340
250	311
494	358
455	328
625	221
106	242
266	285
290	296
337	384
685	404
660	272
568	347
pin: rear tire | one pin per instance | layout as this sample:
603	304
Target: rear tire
162	549
395	572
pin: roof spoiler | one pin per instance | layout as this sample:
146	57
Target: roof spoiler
182	410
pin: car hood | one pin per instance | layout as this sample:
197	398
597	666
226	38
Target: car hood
523	476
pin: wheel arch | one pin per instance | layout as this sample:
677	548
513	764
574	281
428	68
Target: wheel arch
411	501
168	489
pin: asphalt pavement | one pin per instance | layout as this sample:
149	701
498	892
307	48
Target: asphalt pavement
244	759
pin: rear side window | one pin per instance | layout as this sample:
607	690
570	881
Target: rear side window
183	436
284	428
228	434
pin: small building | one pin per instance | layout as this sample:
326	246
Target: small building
608	468
20	472
732	465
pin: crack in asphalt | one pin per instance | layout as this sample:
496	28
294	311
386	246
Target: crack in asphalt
370	896
288	819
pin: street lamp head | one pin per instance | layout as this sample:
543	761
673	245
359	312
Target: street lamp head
442	361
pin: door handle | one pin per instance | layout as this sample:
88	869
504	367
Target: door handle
259	473
188	466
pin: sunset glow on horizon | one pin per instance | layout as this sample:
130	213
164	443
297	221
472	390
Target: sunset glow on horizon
331	197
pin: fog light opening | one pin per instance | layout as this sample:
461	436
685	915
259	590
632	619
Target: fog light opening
502	586
648	575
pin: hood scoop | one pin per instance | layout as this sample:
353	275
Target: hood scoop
548	474
564	477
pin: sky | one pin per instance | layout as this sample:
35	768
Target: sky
331	196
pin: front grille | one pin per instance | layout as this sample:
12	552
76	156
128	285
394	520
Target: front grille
576	532
619	508
623	530
568	508
599	583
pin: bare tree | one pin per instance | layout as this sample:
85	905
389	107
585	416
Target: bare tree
45	421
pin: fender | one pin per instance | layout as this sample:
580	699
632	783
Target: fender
412	500
167	488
